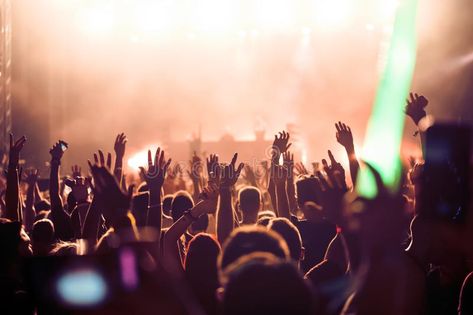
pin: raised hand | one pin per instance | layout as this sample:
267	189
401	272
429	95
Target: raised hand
344	136
79	188
120	145
195	164
57	151
112	200
335	170
300	169
15	149
157	168
100	160
249	175
415	107
213	169
230	174
31	176
280	145
76	171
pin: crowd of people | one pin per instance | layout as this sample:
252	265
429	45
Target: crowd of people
225	239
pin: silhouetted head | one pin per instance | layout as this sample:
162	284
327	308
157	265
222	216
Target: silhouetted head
249	239
306	190
290	234
42	236
262	283
14	243
200	225
139	207
249	199
42	205
167	202
201	259
181	202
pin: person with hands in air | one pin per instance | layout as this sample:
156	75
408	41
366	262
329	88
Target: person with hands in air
114	204
345	138
280	145
12	194
154	176
60	219
228	176
119	147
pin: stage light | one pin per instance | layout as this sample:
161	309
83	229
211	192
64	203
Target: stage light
97	20
140	158
333	13
214	16
151	16
275	14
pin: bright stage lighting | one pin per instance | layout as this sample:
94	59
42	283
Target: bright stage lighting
140	158
275	14
214	16
333	13
151	16
97	20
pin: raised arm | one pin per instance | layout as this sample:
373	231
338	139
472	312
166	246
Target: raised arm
31	177
119	148
288	159
345	138
172	260
154	177
225	213
280	145
195	174
279	177
415	109
12	197
61	220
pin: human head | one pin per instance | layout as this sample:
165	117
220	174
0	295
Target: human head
306	190
261	283
290	234
42	237
248	239
167	202
200	225
139	207
181	202
14	243
249	199
201	259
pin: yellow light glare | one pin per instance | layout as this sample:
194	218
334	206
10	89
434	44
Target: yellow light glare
275	14
140	158
214	16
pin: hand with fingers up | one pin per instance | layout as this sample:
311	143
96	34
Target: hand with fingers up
280	145
230	174
415	107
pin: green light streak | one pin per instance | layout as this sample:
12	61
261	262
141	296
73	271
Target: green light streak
385	127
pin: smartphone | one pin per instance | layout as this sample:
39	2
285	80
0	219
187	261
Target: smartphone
63	146
444	190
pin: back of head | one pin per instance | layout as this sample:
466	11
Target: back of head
249	239
201	260
167	202
139	207
290	234
9	241
43	232
181	202
200	225
249	199
261	283
306	190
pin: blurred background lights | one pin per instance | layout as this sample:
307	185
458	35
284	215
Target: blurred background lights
82	288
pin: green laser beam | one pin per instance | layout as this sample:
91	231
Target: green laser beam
385	127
